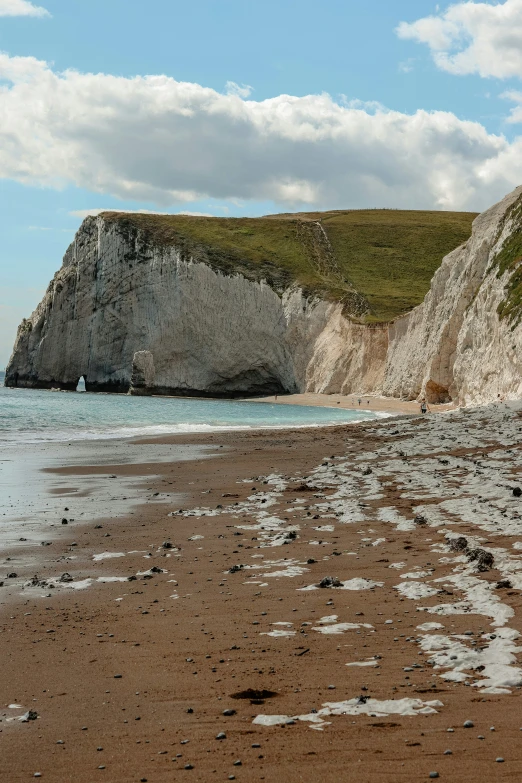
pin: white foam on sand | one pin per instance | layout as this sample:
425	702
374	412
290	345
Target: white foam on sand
358	583
108	555
373	707
493	661
416	590
371	662
430	627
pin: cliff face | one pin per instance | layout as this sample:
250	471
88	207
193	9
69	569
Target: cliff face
128	315
462	343
131	314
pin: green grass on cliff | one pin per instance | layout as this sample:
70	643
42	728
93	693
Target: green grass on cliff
387	256
509	259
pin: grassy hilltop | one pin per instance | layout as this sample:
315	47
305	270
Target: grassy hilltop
378	262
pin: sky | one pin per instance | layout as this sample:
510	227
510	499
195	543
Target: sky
245	107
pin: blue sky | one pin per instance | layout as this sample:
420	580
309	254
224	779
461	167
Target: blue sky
73	143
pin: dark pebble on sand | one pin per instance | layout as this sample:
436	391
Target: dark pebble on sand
188	766
228	713
500	760
434	774
468	724
221	735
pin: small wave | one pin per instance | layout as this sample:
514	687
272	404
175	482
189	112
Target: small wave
181	428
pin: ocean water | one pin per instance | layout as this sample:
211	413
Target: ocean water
32	416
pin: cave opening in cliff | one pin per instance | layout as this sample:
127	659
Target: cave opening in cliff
81	386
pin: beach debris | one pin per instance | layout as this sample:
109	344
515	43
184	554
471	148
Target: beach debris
459	544
255	696
29	715
503	584
12	575
65	521
65	578
367	471
481	557
330	581
420	520
517	492
166	545
235	569
304	488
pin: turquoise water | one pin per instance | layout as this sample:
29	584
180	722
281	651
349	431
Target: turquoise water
29	415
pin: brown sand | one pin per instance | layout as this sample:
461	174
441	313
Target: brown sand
135	689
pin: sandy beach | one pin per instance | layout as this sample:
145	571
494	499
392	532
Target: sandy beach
185	637
372	403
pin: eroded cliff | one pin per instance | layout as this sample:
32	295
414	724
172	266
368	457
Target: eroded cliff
130	314
145	306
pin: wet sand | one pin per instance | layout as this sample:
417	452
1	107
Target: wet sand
131	680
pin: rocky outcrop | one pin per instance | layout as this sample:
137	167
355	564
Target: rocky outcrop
131	315
128	315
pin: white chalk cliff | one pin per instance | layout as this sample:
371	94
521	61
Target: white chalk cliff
132	316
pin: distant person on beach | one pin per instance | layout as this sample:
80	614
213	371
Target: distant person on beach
424	407
359	400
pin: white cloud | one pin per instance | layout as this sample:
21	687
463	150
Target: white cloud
469	37
242	90
155	139
21	8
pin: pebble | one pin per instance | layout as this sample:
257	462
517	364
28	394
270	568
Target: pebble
229	712
434	774
221	735
468	724
256	745
188	766
237	763
500	760
448	752
451	731
37	775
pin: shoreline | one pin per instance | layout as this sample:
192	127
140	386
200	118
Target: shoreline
150	666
